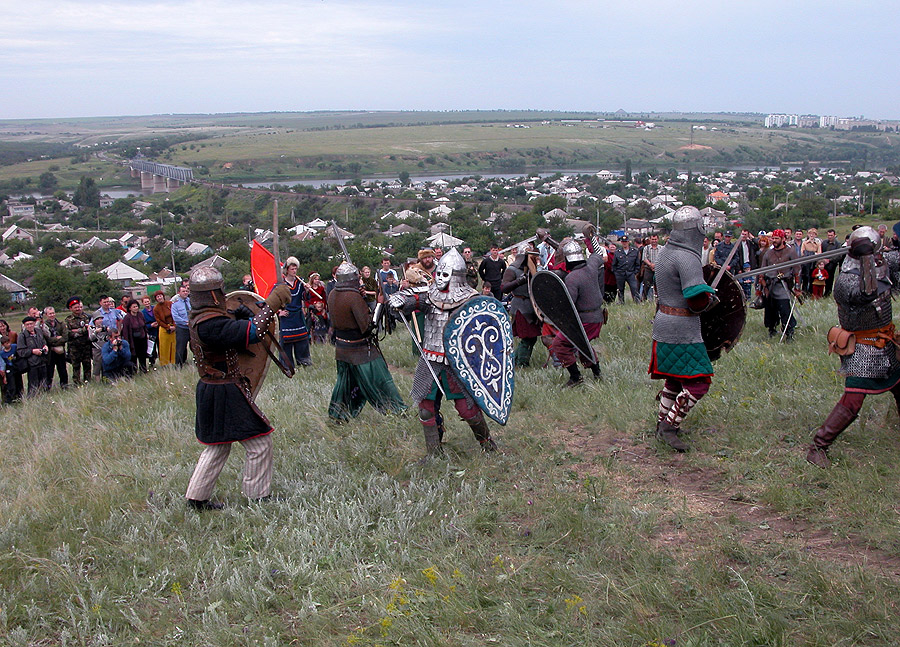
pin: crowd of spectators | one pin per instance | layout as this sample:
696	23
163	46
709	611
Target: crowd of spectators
112	343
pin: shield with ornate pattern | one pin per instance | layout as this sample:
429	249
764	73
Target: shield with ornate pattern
478	344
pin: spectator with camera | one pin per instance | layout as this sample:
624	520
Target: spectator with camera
116	356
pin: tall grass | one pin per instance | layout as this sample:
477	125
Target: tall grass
582	530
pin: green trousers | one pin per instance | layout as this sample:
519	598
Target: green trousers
360	383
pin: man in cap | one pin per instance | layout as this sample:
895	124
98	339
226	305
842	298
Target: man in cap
862	292
678	354
32	346
625	265
294	331
448	292
226	412
778	286
583	280
420	274
829	244
362	374
525	323
79	351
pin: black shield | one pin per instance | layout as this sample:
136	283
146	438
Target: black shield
722	325
554	303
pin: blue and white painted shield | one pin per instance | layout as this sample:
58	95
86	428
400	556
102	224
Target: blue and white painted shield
478	343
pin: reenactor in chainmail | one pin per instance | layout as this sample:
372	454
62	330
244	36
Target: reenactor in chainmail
679	355
583	281
447	293
525	323
869	361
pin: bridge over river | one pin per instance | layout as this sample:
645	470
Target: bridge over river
159	178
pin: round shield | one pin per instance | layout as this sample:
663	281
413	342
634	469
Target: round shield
722	325
253	362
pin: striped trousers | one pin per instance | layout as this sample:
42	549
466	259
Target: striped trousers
257	475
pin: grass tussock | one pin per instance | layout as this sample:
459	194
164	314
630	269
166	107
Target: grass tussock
583	530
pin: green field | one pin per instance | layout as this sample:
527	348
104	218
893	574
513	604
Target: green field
293	146
582	531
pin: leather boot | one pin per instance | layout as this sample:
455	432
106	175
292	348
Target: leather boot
575	378
838	420
669	435
433	446
482	434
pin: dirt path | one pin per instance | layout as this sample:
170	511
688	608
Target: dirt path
703	495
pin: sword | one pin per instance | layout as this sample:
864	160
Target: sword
724	267
421	353
340	240
834	253
791	314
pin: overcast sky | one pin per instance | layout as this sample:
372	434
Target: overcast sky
62	58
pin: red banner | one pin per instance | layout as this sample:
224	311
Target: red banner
262	268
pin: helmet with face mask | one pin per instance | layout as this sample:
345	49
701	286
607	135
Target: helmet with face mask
687	229
450	270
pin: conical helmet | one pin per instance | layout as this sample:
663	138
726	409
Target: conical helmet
347	273
450	270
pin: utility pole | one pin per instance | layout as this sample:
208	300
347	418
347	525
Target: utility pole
174	273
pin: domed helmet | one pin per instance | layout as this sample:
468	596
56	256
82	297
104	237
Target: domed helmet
450	271
687	229
207	287
858	244
864	242
571	250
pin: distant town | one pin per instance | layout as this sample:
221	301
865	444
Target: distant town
836	123
139	244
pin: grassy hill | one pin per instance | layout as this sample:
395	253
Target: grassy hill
582	531
294	146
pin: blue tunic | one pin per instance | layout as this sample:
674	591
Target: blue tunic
293	326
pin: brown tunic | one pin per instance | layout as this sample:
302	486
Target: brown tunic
352	323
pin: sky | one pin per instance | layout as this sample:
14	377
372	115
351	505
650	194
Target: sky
72	58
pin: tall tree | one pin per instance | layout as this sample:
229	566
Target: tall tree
87	194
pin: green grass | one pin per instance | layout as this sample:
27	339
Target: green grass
582	531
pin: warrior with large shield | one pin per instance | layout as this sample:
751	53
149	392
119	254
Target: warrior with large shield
447	297
574	307
679	355
231	350
865	338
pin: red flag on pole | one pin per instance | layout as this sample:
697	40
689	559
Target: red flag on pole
262	268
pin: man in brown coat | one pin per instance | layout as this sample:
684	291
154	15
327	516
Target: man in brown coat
362	374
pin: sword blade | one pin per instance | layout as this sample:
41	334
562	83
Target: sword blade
422	353
724	267
834	253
